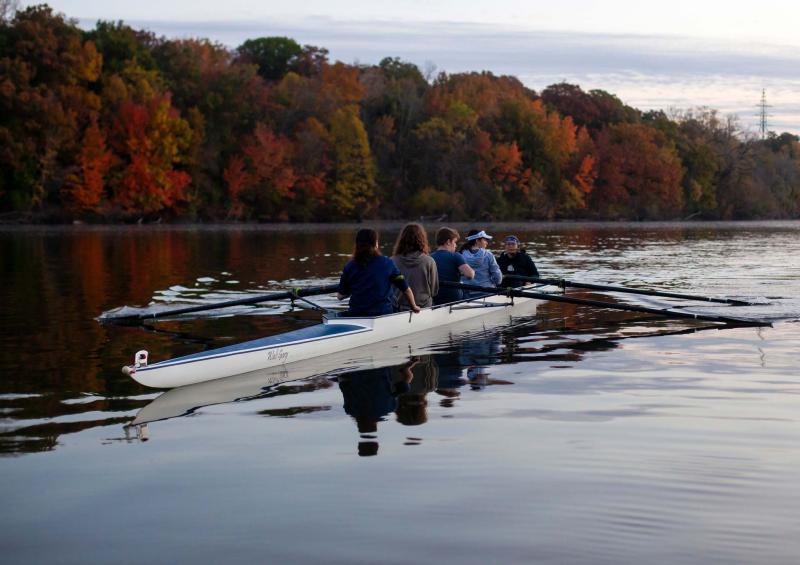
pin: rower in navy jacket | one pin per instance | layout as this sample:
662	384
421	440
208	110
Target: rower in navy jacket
367	279
515	261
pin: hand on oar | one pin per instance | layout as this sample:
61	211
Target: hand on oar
294	293
590	286
610	305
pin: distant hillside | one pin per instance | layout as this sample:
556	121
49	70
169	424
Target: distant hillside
116	124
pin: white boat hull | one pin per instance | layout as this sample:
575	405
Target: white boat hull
187	399
332	336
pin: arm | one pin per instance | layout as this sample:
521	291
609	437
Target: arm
409	294
494	270
344	283
529	269
466	271
433	278
399	281
534	272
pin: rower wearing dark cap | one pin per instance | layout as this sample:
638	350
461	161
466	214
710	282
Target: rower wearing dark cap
515	261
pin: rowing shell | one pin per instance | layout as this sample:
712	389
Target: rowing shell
333	335
390	353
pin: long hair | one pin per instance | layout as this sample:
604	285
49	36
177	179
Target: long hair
366	246
469	244
445	234
412	238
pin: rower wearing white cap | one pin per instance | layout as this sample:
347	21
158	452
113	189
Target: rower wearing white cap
487	272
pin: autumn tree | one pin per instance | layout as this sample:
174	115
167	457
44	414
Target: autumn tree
45	103
222	101
120	45
83	190
353	192
593	109
639	174
151	140
237	180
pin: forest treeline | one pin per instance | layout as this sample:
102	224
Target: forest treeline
116	124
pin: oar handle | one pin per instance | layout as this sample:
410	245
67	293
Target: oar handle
646	292
283	295
610	305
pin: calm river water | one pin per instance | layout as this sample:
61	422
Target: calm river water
575	435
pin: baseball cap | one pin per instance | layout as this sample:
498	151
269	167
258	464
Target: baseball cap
512	239
480	235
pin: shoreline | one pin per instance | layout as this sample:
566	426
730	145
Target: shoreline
395	224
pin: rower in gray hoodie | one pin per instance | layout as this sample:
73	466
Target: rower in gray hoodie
417	267
487	272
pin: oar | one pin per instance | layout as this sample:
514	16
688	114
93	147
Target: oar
294	293
564	283
610	305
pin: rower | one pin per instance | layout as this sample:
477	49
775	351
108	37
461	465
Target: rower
450	265
487	273
514	260
368	278
419	270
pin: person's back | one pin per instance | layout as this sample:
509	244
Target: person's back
370	286
367	279
447	265
450	266
420	273
487	273
418	269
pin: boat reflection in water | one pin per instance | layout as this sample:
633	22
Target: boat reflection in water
401	376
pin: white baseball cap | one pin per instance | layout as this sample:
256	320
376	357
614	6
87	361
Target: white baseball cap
480	235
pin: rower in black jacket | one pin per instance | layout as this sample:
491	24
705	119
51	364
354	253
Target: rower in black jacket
515	261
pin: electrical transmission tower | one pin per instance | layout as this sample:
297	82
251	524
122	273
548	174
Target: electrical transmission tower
763	115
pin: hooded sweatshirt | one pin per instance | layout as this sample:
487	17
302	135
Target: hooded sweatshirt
419	271
487	273
519	264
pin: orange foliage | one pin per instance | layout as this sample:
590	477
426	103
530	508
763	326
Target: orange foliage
586	175
509	170
83	190
153	139
340	82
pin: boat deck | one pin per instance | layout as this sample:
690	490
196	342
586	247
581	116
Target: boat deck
310	333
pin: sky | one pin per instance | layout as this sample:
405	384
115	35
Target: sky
674	54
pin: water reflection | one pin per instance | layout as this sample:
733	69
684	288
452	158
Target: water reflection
370	396
615	444
55	281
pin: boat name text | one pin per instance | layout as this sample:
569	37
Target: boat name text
277	354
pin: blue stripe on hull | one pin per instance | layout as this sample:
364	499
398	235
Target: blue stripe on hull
310	333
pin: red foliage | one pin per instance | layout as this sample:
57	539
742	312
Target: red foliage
238	179
639	174
269	154
152	138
